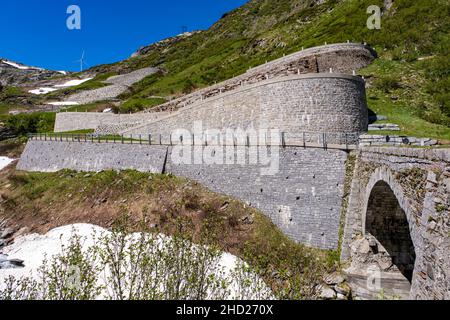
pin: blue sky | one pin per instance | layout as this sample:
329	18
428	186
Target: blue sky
34	32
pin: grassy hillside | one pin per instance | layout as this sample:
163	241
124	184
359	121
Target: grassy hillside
408	83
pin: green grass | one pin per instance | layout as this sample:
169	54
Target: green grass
23	124
90	107
85	131
265	30
401	96
138	104
5	108
233	44
96	83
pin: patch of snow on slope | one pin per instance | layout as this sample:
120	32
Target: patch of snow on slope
4	162
34	248
72	83
63	103
42	90
15	65
20	66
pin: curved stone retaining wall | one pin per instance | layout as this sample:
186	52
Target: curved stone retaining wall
294	104
341	58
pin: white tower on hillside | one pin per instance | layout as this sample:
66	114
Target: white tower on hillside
82	61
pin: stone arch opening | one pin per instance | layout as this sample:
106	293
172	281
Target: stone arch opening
387	226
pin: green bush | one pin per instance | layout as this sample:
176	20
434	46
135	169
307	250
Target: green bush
23	124
387	84
138	104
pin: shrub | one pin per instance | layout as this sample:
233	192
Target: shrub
139	266
22	124
387	83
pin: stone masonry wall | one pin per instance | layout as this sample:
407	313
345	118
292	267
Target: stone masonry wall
72	121
341	58
303	198
420	181
344	58
307	103
47	156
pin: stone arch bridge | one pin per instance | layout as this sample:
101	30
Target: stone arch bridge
397	225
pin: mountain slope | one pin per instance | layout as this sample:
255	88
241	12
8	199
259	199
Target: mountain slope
408	83
13	73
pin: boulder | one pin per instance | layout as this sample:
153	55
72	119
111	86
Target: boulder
361	246
343	289
6	233
334	278
326	293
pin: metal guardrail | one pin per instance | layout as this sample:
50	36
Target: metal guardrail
343	141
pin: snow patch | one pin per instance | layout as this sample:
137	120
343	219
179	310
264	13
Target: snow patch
33	249
20	66
70	83
63	103
42	91
15	65
4	162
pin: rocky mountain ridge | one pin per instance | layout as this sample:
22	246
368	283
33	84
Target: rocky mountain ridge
17	74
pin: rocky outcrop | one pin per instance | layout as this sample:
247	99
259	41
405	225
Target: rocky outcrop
162	44
13	74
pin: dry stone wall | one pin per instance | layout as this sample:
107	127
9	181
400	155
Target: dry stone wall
72	121
368	140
